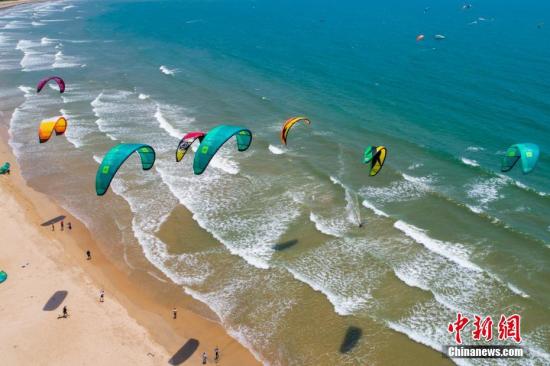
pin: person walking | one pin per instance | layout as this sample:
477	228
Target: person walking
216	354
174	313
204	358
102	296
88	255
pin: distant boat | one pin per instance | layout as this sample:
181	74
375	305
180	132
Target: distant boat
439	36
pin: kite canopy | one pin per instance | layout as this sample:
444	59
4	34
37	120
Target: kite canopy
375	155
115	158
527	153
47	126
42	83
186	143
5	168
3	276
289	123
215	139
420	37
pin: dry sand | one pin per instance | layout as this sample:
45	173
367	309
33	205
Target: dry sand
132	327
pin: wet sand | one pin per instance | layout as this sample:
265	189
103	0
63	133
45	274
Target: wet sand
133	326
10	3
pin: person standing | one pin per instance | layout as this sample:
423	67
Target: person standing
69	225
88	255
102	296
62	225
204	358
53	227
174	313
65	312
216	354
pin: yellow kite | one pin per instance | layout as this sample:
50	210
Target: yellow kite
47	126
288	125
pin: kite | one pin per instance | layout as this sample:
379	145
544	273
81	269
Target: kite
215	139
527	153
5	169
419	37
115	158
48	126
375	155
289	123
186	143
60	82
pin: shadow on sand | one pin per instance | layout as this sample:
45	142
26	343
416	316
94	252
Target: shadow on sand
56	300
184	352
53	221
353	334
285	245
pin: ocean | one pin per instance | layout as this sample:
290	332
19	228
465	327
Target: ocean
270	239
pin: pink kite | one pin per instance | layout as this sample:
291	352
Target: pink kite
57	79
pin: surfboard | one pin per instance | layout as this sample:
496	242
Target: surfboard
3	276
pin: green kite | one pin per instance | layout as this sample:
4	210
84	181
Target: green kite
115	158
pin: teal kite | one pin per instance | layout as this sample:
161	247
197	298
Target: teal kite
115	158
215	139
3	276
527	153
5	169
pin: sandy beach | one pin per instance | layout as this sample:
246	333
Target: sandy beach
128	328
10	3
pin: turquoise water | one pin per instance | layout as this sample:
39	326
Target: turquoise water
444	230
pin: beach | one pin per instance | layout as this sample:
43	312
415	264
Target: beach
128	328
10	3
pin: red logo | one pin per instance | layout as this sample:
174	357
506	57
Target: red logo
508	328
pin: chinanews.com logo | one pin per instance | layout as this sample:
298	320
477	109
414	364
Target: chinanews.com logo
508	330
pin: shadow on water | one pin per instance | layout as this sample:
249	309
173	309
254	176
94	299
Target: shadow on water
353	334
56	300
184	352
53	221
285	245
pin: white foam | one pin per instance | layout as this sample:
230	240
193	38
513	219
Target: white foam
485	191
165	70
165	125
342	305
371	207
469	162
63	61
143	96
474	148
327	227
352	206
445	249
275	150
414	166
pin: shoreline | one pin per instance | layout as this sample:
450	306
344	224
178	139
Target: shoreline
147	304
10	3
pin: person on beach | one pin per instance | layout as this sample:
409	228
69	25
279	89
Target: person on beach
53	227
204	358
69	225
174	313
62	228
216	354
101	296
65	312
88	255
